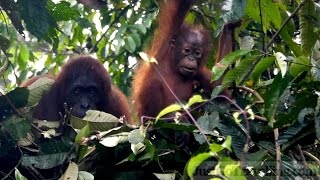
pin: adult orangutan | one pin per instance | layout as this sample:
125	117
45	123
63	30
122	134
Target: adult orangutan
82	84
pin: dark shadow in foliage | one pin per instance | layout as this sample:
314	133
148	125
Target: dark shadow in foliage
104	165
10	154
15	99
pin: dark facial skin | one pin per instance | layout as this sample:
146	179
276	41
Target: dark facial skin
189	53
82	95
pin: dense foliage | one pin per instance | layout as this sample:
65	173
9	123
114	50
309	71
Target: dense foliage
270	128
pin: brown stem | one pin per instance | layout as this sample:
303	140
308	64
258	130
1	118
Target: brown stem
278	153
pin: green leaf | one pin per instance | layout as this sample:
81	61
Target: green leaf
136	39
195	99
215	148
51	146
149	19
44	161
262	66
150	152
17	127
287	39
306	16
216	91
83	133
227	143
36	17
122	29
71	172
138	148
38	89
185	127
254	159
85	175
237	74
106	18
234	171
207	123
292	133
299	65
281	62
169	109
97	121
140	27
229	128
165	175
292	102
315	70
269	11
18	175
277	88
62	11
23	56
114	140
136	136
252	10
273	12
195	161
229	59
130	44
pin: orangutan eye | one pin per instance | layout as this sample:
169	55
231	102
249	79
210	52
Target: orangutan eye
197	54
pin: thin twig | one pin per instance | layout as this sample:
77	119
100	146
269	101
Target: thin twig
278	153
262	32
255	93
312	157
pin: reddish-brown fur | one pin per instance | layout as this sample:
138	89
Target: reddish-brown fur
150	94
115	102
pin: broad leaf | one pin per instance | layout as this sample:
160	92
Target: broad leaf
44	161
308	35
299	65
262	66
195	161
38	89
169	109
36	17
272	98
229	59
97	120
195	99
237	74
